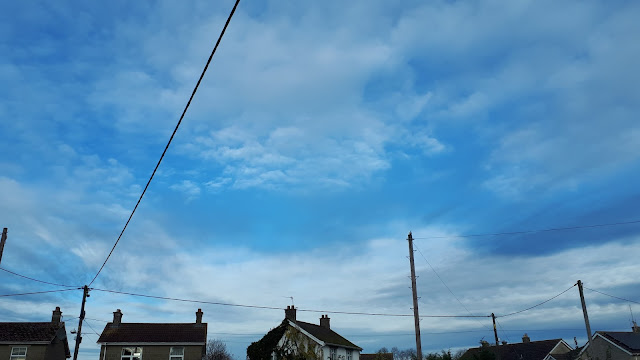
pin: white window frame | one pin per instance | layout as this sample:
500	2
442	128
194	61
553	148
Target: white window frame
349	354
333	353
173	356
18	356
133	353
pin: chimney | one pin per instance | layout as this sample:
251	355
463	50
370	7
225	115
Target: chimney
526	339
117	317
57	315
199	316
290	313
484	343
324	321
635	328
504	342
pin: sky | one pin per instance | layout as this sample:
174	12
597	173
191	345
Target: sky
322	133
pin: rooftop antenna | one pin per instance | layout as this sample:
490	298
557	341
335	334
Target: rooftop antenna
632	318
290	297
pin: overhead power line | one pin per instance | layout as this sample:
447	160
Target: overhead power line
39	292
535	306
530	231
445	285
612	296
277	308
40	281
170	139
91	327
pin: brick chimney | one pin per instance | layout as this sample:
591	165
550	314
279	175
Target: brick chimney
199	316
57	315
635	328
324	321
526	339
290	313
117	317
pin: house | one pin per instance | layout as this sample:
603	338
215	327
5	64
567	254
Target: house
151	341
613	345
34	340
295	339
526	350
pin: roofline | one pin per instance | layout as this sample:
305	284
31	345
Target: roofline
561	341
107	343
42	342
605	338
616	345
345	346
320	342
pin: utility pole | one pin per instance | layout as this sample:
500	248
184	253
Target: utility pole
416	315
495	331
85	294
586	316
3	239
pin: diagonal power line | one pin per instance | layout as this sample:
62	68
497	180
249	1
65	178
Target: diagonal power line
40	281
38	292
535	306
445	285
170	139
612	296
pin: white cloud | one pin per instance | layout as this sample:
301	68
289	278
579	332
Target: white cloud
188	187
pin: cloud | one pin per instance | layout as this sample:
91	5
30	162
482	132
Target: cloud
189	188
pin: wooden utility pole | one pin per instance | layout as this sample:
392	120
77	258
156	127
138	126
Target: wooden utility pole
3	239
85	294
586	316
495	331
416	315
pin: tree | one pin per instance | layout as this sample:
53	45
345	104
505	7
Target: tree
217	350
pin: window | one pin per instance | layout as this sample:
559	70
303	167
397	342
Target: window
19	353
177	353
349	355
332	353
131	353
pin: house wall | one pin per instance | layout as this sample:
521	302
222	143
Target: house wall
152	352
560	349
34	352
601	349
55	351
341	353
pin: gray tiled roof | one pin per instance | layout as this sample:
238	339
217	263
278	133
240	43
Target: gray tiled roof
28	331
535	350
154	332
629	341
329	336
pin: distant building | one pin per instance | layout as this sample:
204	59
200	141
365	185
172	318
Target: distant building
294	337
153	341
613	345
377	356
34	340
526	350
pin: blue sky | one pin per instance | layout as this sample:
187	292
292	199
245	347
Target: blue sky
321	135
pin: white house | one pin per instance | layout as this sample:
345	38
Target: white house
294	337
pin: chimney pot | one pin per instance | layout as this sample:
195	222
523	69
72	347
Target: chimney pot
117	317
57	315
290	313
199	316
526	338
324	321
